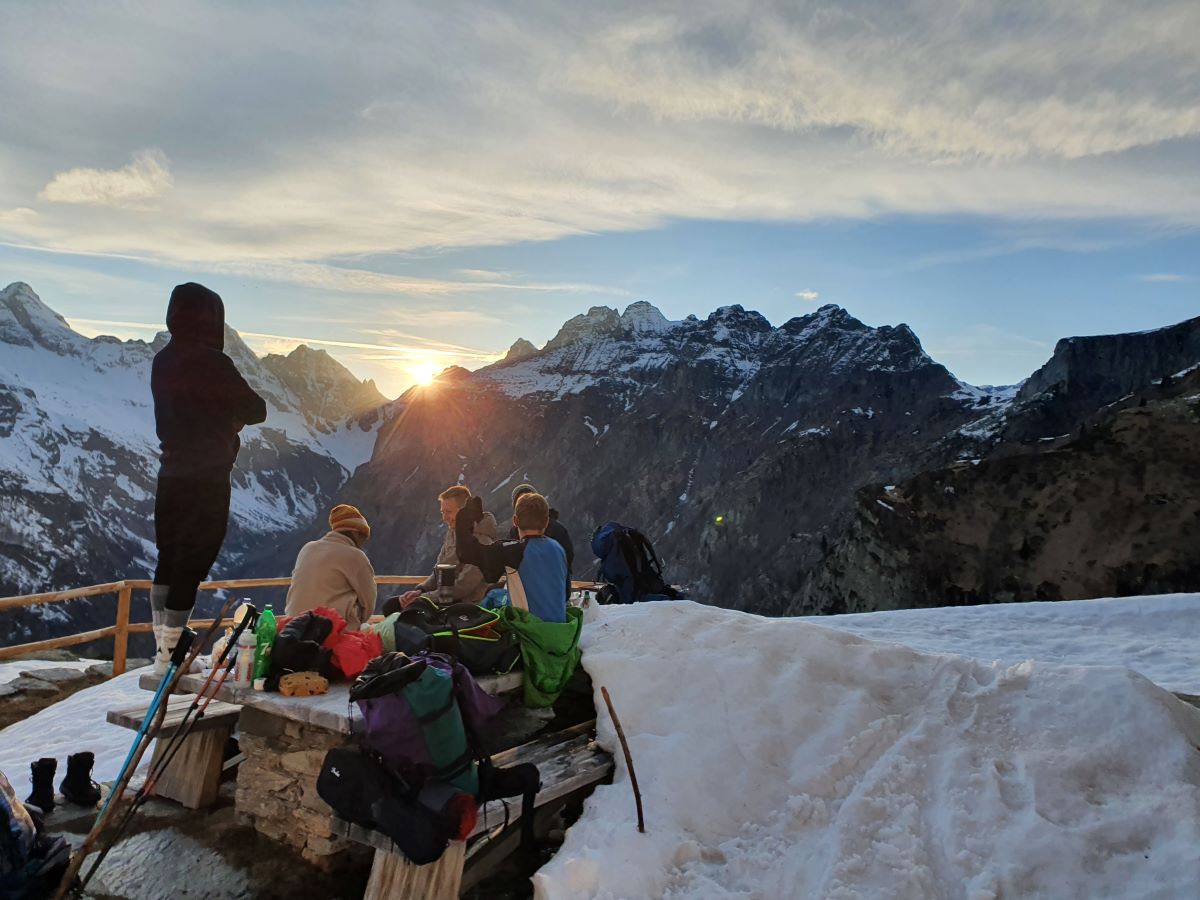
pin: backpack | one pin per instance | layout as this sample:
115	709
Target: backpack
424	716
474	636
413	720
362	789
32	862
629	566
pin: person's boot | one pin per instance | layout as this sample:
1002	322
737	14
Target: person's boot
43	784
166	646
78	787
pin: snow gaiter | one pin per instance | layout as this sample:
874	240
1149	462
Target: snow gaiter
42	773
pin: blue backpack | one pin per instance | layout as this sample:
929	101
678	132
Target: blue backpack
629	566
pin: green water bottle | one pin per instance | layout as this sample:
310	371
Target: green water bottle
264	640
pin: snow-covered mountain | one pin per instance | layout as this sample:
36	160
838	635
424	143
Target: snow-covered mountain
78	453
735	445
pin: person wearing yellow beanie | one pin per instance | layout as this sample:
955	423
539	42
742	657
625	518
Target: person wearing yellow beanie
334	571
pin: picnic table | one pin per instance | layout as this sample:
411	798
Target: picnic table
284	741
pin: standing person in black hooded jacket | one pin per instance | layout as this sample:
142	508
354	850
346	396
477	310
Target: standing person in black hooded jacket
201	402
555	529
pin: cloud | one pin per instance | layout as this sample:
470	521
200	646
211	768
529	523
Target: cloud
498	126
808	295
1165	278
146	178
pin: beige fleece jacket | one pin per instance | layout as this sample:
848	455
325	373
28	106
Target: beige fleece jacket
469	583
333	572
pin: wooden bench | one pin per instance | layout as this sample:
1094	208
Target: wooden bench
193	776
568	762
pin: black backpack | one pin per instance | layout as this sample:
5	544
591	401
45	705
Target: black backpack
629	566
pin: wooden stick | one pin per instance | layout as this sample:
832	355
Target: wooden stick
637	795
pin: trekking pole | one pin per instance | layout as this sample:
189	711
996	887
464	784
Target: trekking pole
141	742
175	670
146	791
637	795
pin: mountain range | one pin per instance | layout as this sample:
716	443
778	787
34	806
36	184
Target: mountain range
758	458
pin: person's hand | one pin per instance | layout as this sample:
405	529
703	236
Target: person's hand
407	598
472	512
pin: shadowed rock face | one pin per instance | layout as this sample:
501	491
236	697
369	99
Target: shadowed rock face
1112	510
668	426
1085	373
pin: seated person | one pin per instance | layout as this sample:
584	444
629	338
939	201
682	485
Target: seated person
535	565
334	572
555	529
469	583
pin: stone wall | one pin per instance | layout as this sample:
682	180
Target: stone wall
277	788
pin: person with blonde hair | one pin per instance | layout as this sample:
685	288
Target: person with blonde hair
334	572
469	583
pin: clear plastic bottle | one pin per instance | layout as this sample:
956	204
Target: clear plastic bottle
243	664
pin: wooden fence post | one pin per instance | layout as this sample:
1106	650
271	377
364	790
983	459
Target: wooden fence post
121	638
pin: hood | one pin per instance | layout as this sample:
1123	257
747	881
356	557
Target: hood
197	314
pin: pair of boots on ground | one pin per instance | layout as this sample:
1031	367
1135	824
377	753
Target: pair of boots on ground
168	626
77	787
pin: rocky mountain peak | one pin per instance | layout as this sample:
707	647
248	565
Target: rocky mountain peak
644	317
597	322
521	349
25	321
327	391
739	318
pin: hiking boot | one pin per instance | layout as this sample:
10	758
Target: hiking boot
168	638
43	784
78	787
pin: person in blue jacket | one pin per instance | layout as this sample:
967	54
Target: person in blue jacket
535	565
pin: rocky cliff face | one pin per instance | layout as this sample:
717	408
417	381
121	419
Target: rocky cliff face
1111	509
79	458
1086	373
736	446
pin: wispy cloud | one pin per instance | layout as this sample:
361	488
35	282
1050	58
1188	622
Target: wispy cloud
1165	278
505	125
147	177
808	295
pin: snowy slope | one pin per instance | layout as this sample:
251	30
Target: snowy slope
780	758
1154	636
78	453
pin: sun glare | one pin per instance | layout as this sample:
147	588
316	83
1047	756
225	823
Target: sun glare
423	372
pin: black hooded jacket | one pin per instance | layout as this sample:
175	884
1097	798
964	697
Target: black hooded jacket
201	401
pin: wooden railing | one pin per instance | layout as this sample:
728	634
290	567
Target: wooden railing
122	628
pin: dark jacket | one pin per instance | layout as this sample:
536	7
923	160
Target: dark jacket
535	568
559	532
201	402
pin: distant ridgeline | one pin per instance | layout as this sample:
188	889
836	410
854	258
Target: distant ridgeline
762	461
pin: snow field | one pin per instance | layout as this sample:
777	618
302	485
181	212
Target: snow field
780	758
1153	635
71	725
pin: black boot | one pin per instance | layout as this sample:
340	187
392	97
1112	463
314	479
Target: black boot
78	787
43	784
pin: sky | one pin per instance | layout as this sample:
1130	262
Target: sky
416	185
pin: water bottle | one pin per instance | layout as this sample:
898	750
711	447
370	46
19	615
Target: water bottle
264	634
243	664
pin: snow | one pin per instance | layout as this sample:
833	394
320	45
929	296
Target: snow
1154	635
70	726
781	758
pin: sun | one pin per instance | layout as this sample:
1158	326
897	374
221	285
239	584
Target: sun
423	372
